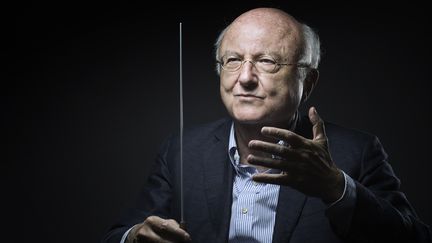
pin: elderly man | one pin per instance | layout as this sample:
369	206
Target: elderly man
267	174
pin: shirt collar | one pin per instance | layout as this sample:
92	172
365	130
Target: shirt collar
232	148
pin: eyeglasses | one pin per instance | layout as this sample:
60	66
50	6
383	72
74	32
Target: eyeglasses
262	65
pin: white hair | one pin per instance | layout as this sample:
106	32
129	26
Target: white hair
311	47
217	47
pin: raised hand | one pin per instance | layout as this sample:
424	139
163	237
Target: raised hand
306	164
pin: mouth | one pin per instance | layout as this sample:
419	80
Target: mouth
248	96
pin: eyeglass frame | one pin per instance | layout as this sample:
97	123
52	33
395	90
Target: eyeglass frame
275	70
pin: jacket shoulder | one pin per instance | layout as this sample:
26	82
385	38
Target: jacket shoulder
198	135
204	130
344	134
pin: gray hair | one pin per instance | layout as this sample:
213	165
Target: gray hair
310	55
217	47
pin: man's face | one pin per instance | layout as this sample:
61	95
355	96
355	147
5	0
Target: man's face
254	97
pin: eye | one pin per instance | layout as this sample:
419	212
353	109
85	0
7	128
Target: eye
267	61
232	60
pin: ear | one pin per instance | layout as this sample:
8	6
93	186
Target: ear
309	83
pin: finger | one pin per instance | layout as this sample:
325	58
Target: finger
278	179
269	148
286	163
169	229
268	162
291	138
148	236
284	152
318	124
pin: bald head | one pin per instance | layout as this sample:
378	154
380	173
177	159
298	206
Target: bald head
267	18
297	42
266	26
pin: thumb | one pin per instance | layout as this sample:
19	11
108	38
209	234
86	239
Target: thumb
317	123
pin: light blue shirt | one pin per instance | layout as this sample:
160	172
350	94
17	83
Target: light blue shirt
253	210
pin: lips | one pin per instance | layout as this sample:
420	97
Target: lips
251	96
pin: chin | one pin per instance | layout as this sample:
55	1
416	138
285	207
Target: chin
248	121
249	118
253	117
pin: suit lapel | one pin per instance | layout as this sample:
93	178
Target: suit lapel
290	202
218	181
289	208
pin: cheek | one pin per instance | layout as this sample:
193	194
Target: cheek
289	90
225	89
296	91
226	83
223	92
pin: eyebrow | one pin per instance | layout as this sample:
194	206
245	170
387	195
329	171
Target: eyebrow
274	55
230	53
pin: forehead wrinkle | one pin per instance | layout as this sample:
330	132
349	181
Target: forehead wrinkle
279	52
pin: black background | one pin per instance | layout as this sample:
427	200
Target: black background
95	91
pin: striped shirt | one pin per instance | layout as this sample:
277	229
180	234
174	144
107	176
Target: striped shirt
254	204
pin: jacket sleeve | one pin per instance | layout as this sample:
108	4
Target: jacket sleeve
154	199
381	212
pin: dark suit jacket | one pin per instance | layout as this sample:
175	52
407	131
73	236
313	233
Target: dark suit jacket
381	213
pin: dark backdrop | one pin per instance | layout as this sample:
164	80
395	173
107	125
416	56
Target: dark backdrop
95	91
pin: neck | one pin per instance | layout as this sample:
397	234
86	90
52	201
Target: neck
244	133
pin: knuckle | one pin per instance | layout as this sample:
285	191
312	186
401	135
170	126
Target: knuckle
279	133
150	220
171	222
142	230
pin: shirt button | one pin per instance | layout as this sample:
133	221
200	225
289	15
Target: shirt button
255	183
244	210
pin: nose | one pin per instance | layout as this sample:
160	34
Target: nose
247	76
